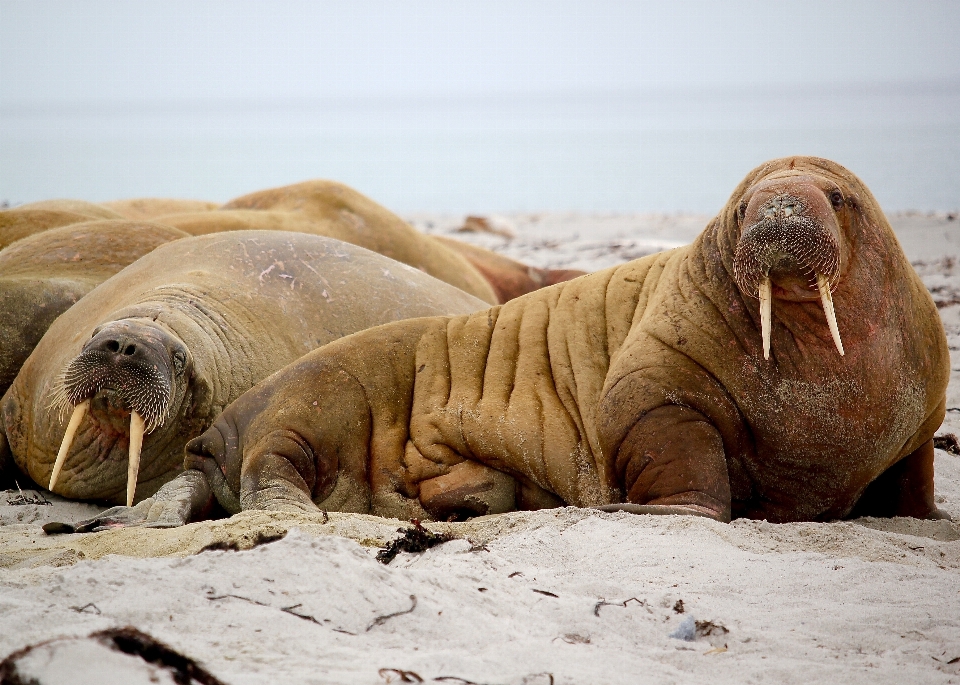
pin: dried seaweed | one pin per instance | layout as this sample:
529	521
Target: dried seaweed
948	443
416	539
22	499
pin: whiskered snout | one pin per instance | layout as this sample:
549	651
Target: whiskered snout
137	378
789	238
133	368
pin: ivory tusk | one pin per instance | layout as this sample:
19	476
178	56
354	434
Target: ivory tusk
136	443
824	286
75	418
766	302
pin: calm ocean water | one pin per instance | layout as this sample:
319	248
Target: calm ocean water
656	151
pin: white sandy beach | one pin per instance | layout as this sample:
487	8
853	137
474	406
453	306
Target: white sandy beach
566	596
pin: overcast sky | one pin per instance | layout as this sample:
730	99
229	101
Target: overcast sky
95	50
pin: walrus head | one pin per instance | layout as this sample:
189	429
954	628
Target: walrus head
791	245
129	374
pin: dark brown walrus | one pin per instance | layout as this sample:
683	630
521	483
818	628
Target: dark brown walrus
153	354
43	275
509	278
645	384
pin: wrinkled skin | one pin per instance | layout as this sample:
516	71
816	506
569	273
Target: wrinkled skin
43	275
202	319
641	387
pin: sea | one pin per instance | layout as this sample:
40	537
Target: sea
666	150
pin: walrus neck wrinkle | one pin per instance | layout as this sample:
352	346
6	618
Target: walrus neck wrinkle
194	314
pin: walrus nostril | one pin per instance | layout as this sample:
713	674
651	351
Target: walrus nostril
112	345
129	350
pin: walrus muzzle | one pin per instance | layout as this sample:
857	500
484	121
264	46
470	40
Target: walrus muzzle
117	372
786	242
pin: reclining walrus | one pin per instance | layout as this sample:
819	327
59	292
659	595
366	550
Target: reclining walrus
26	220
338	211
318	207
43	275
708	380
148	359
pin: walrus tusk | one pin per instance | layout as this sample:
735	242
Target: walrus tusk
136	443
824	286
68	436
766	301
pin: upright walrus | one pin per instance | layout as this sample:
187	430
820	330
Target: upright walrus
153	354
708	380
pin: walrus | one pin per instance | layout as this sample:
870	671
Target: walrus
149	208
338	211
146	360
26	220
787	365
509	278
43	275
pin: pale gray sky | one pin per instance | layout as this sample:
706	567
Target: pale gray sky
98	50
476	105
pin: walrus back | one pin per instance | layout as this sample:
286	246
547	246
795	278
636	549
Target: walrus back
516	387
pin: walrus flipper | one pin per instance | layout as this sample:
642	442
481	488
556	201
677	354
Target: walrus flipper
904	489
186	498
673	457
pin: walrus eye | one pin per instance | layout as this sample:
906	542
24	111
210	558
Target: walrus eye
741	211
836	199
179	361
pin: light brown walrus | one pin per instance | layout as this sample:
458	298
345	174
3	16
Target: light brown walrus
150	208
318	207
151	356
709	380
43	275
338	211
26	220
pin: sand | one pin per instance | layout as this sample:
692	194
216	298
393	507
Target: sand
558	596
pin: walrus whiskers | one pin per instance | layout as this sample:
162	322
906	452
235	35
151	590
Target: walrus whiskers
136	443
68	436
823	285
766	315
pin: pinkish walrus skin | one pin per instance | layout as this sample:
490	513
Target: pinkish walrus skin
643	387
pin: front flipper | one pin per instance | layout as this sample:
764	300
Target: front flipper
186	498
278	474
672	462
904	489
